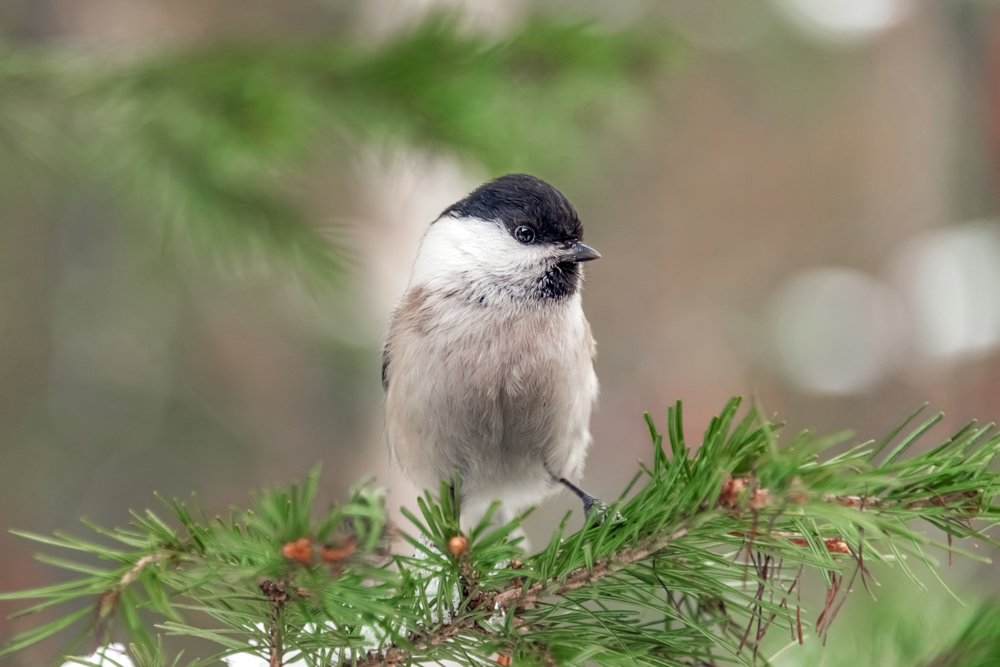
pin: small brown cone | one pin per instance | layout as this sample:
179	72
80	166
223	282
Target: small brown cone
300	550
340	552
458	546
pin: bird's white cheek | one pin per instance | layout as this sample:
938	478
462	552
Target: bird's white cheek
470	248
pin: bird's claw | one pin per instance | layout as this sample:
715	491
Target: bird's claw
600	510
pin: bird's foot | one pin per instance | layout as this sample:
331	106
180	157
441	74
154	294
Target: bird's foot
591	505
599	510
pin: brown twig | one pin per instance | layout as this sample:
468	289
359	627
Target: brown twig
107	602
279	597
735	490
829	621
730	498
137	569
514	596
798	608
940	500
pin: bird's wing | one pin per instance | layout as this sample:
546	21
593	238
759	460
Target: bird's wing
408	318
385	366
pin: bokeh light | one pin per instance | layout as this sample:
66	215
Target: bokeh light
837	330
844	21
951	278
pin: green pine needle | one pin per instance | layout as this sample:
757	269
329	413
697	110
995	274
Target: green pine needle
707	559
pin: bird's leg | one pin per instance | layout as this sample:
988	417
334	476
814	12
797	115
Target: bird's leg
590	503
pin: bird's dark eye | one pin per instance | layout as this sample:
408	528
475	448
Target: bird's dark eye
524	234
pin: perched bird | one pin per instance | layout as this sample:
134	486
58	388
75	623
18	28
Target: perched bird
488	361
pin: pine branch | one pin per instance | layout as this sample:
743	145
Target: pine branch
696	572
515	597
278	600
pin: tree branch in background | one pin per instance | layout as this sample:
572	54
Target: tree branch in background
211	142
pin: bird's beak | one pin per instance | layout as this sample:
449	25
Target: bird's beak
579	253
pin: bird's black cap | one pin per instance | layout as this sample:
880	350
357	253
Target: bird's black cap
520	199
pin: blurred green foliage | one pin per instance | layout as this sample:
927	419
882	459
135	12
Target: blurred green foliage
211	143
902	628
979	643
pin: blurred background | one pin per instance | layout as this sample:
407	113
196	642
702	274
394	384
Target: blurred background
208	209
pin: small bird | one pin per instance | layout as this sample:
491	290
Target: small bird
488	362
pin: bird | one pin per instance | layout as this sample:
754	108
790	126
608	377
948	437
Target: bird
488	360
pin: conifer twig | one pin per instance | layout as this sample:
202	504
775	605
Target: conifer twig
600	594
514	596
581	576
137	569
278	599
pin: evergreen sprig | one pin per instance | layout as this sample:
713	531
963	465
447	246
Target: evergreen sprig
211	142
707	557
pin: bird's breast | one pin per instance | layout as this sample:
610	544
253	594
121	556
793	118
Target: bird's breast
490	391
509	349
